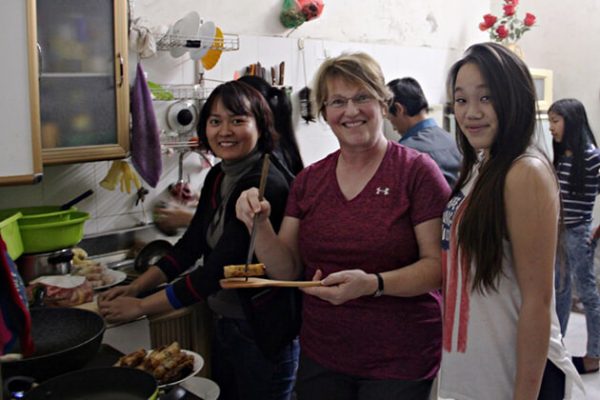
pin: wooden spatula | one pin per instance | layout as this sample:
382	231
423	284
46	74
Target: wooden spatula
253	282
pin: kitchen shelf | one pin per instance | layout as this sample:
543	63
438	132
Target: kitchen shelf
230	42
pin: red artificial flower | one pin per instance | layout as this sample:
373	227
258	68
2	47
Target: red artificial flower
483	26
513	2
489	20
529	19
509	9
502	32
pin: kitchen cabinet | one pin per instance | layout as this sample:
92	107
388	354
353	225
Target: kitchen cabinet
83	82
20	149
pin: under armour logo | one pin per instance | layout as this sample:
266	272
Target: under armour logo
385	191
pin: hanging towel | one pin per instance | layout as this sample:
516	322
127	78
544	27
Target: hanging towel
145	142
15	321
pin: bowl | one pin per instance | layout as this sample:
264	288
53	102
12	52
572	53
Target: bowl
60	232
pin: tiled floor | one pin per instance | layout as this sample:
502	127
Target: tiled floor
575	341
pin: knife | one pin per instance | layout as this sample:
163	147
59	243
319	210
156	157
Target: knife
261	191
281	73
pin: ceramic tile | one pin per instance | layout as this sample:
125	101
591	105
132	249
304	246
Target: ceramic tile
121	221
240	59
65	182
272	51
21	196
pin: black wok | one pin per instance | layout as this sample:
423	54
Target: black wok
98	384
65	339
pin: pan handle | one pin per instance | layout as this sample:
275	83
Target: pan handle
16	387
76	200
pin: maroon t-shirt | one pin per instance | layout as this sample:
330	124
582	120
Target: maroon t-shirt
377	338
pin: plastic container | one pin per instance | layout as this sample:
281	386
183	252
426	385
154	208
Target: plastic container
11	234
63	230
38	215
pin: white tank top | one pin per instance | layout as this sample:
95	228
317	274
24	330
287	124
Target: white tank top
480	328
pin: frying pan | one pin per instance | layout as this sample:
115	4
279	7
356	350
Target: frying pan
65	339
98	384
151	253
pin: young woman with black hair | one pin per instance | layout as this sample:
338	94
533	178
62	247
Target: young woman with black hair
577	163
501	336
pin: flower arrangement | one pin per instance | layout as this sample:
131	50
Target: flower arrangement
507	28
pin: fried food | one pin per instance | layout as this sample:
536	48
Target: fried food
167	363
96	273
132	360
236	271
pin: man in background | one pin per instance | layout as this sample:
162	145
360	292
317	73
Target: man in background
409	116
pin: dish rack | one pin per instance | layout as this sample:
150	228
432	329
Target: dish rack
168	41
180	92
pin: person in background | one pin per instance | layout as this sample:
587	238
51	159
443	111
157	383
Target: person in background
281	106
255	347
577	163
366	222
501	334
408	113
171	216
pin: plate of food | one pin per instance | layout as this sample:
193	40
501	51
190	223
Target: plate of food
110	278
170	365
98	274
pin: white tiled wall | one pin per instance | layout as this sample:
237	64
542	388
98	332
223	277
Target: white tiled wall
112	210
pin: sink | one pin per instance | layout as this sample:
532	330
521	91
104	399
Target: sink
122	241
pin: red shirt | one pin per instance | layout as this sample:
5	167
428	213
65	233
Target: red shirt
377	338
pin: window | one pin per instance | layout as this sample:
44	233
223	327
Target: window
542	79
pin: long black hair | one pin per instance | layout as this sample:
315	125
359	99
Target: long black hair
483	227
577	137
241	99
281	107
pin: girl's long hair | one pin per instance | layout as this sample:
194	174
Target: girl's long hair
577	137
483	227
281	106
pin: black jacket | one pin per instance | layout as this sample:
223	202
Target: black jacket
274	313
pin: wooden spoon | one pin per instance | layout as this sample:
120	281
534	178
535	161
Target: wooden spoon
252	282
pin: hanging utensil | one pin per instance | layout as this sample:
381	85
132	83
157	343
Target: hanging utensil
261	191
281	73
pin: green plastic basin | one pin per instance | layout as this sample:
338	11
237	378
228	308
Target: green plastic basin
38	215
62	231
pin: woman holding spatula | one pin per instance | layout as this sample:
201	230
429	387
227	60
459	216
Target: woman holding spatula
366	221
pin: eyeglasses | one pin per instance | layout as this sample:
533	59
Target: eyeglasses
342	102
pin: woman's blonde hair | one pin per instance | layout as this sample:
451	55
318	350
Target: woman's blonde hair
356	68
